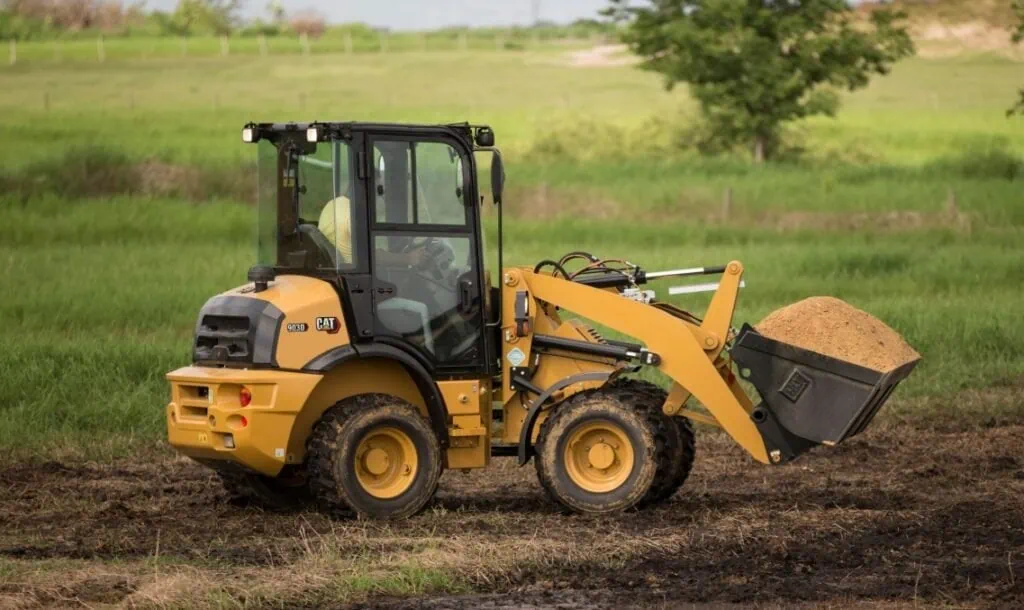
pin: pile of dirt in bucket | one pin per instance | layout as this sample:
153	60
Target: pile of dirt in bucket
832	327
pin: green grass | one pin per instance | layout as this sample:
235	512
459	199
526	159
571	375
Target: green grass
101	293
104	297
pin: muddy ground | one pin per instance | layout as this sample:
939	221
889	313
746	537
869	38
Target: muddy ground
903	514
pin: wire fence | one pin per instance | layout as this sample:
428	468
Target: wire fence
101	49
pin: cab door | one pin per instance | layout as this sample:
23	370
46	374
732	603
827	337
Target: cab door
425	250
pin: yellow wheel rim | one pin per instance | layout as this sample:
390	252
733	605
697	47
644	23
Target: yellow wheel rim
386	462
598	456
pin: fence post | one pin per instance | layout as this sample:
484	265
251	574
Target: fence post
383	42
348	42
224	48
14	52
304	41
727	203
263	45
101	52
46	100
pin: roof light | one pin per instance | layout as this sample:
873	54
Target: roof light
248	135
312	135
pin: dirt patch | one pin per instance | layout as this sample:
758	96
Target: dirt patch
900	515
602	56
158	178
829	326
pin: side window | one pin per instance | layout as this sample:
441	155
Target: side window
325	211
418	183
440	184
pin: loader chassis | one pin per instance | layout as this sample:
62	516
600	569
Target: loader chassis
370	351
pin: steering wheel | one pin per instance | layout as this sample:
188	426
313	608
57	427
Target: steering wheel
438	259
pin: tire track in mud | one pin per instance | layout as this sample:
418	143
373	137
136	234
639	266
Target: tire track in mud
896	514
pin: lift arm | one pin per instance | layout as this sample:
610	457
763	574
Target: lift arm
688	352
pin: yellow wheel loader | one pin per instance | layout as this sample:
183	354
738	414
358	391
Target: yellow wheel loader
370	350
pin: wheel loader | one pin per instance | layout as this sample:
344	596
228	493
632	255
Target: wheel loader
374	347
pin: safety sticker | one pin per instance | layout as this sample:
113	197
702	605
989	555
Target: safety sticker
515	356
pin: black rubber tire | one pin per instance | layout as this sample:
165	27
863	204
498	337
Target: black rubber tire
601	404
331	456
674	436
269	493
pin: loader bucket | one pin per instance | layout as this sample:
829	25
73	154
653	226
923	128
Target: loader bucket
808	398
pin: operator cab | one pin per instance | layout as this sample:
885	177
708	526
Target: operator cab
388	214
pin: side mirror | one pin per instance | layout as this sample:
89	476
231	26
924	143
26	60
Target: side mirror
497	177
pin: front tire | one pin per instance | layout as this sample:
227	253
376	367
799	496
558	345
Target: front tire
596	454
374	454
676	445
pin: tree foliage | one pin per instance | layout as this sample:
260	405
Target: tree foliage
754	65
1018	36
216	16
31	18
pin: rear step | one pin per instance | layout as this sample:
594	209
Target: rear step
809	399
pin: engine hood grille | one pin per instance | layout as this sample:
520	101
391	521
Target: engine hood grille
237	330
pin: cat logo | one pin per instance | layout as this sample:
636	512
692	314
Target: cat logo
328	325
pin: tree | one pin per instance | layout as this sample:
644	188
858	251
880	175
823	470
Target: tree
275	9
217	16
1018	36
754	65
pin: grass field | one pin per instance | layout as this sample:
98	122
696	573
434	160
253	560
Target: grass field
909	205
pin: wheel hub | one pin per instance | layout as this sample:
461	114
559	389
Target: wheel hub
601	456
376	461
598	456
386	462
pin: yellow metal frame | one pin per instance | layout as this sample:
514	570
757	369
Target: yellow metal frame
272	431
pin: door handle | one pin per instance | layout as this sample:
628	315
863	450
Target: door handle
465	296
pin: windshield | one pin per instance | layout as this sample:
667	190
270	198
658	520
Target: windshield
305	211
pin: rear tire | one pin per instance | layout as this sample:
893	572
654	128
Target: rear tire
376	455
676	443
596	453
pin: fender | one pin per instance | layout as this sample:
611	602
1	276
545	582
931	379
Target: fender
419	373
525	444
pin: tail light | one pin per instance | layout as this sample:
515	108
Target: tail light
244	397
